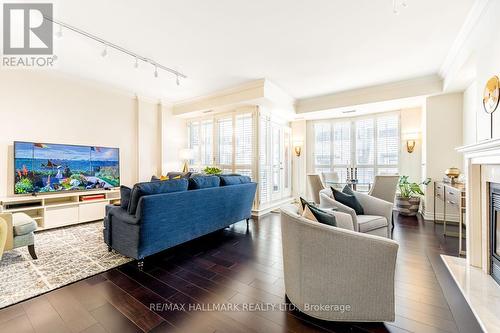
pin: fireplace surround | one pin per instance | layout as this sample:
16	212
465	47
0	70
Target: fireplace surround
494	231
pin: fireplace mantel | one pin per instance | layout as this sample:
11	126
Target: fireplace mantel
482	165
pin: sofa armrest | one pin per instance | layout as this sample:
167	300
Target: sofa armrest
327	202
375	206
119	214
9	240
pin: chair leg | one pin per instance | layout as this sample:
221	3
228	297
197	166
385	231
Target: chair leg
247	222
31	250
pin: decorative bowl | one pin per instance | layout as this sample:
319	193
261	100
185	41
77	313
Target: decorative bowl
452	172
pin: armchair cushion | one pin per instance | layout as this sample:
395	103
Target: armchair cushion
349	200
23	224
371	222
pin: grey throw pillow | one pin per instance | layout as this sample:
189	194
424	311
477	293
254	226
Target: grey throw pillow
349	200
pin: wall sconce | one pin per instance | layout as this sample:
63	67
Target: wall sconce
411	141
297	146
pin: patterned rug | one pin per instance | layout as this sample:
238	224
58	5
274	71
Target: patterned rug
65	255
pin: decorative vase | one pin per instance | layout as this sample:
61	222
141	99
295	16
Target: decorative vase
408	206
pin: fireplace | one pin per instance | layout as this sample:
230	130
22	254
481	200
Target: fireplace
495	231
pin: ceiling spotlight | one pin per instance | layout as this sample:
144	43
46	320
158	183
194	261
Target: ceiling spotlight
156	71
104	52
59	32
177	80
136	64
404	4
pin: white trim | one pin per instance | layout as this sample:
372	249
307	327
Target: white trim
470	22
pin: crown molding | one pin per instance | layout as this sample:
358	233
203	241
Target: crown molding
473	17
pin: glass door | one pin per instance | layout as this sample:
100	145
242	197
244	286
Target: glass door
277	161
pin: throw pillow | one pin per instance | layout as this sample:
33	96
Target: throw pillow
349	200
199	182
306	213
233	180
124	196
316	214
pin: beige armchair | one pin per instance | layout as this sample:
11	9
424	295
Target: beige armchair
315	185
351	272
17	230
384	187
378	212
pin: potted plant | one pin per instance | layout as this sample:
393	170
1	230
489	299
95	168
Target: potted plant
212	171
408	198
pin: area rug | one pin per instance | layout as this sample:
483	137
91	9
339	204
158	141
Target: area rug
65	255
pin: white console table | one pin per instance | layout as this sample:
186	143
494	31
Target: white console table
60	209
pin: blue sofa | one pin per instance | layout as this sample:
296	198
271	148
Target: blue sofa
184	210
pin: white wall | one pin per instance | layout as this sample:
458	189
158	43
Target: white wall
410	163
480	54
148	140
299	166
174	138
50	107
470	110
443	131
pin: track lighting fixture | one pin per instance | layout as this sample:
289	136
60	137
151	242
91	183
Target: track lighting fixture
137	57
104	52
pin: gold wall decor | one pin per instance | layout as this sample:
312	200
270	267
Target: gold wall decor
491	94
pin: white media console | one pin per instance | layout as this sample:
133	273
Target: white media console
60	209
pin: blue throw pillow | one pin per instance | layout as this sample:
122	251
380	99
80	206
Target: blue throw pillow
199	182
233	180
142	189
125	196
349	200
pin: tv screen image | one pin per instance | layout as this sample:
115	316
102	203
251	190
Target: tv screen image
45	167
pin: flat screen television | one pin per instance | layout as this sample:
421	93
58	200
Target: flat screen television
47	167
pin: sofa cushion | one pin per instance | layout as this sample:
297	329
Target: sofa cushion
233	180
125	196
371	222
348	200
142	189
23	224
199	182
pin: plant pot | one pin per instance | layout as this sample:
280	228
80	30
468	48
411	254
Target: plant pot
408	206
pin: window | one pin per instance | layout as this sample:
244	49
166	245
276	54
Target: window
370	144
225	141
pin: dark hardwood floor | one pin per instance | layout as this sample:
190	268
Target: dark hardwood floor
238	266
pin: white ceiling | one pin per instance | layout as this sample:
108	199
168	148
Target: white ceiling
307	48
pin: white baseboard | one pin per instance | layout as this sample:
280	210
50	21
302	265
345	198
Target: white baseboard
271	206
439	216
